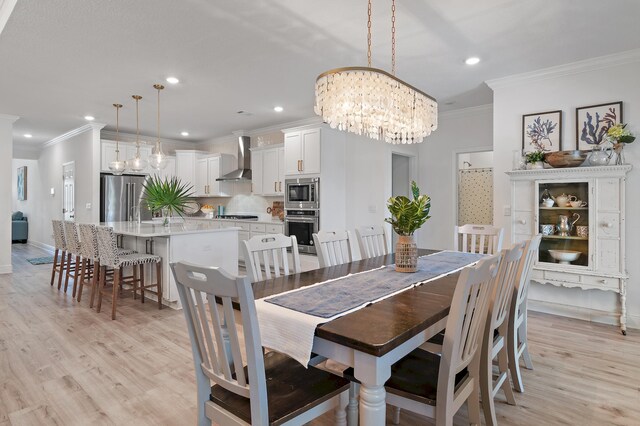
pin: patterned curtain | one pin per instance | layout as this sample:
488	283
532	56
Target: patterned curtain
475	196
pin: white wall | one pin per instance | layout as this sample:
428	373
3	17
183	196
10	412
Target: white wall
478	160
30	206
6	154
84	150
463	130
565	88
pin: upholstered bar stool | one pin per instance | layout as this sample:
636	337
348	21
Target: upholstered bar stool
73	255
110	257
60	251
90	264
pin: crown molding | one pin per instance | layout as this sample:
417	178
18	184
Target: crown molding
10	118
464	112
131	137
592	64
72	133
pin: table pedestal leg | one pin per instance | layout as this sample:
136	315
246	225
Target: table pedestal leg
372	405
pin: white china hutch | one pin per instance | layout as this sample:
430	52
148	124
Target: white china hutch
583	244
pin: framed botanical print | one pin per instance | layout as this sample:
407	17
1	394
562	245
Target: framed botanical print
22	183
542	131
593	121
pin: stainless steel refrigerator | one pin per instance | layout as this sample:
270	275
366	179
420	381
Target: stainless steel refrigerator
120	196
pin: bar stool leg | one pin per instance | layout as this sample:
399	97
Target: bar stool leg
83	269
66	279
142	284
55	265
62	266
135	281
79	267
159	283
103	273
114	296
94	282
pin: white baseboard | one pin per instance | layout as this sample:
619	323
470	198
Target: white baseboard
587	314
41	245
6	269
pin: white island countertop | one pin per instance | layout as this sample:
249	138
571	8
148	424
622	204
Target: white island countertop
148	230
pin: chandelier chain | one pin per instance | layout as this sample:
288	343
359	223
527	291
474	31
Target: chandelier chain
369	35
393	37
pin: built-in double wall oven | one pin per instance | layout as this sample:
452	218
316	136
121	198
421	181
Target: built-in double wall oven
302	211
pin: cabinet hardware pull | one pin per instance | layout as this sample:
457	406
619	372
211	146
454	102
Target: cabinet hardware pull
522	221
299	166
280	186
302	165
608	225
603	281
275	186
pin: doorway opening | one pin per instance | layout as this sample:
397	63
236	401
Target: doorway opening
403	171
474	187
68	190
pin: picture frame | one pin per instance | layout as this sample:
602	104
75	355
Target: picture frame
593	121
22	183
542	131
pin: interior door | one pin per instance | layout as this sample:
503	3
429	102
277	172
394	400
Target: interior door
68	191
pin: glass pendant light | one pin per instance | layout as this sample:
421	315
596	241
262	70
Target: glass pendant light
117	167
137	163
158	160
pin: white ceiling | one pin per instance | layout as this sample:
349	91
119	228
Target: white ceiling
61	60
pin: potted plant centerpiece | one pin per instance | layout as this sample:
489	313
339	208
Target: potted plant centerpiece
619	136
168	195
407	216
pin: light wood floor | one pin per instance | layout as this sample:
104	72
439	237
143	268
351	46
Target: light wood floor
63	364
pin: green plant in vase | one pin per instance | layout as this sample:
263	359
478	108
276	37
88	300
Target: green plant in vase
407	216
619	136
168	195
535	158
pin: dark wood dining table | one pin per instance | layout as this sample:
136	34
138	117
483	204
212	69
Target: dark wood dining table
373	338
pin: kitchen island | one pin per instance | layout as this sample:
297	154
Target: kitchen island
202	243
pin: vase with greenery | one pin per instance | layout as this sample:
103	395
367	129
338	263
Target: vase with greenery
619	136
166	195
407	216
534	159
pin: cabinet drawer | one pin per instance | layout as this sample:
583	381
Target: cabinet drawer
258	227
244	226
608	224
226	224
600	281
523	223
561	276
275	229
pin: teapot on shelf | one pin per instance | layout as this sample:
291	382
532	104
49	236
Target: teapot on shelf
563	200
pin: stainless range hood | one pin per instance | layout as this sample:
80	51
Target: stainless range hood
243	172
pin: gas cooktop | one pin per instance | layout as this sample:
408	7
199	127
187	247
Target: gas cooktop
238	216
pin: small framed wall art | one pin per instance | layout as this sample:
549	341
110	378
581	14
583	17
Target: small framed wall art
593	121
542	131
22	183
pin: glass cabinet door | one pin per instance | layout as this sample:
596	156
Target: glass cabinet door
564	222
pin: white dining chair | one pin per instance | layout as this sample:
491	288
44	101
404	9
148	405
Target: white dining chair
265	388
483	239
335	248
435	385
517	342
270	252
494	347
373	241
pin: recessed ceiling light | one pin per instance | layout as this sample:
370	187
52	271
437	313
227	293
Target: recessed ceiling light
89	117
278	109
172	80
184	133
28	135
472	60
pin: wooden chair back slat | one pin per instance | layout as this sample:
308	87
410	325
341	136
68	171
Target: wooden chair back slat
269	253
373	241
524	269
335	248
505	284
484	239
209	358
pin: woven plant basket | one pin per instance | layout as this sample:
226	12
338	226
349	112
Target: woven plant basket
406	254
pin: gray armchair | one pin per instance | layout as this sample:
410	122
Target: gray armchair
19	227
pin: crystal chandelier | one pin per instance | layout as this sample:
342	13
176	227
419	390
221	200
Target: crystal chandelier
117	167
371	102
158	160
137	163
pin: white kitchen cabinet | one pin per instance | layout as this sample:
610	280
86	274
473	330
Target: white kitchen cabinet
302	152
209	169
267	167
600	248
186	161
127	152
